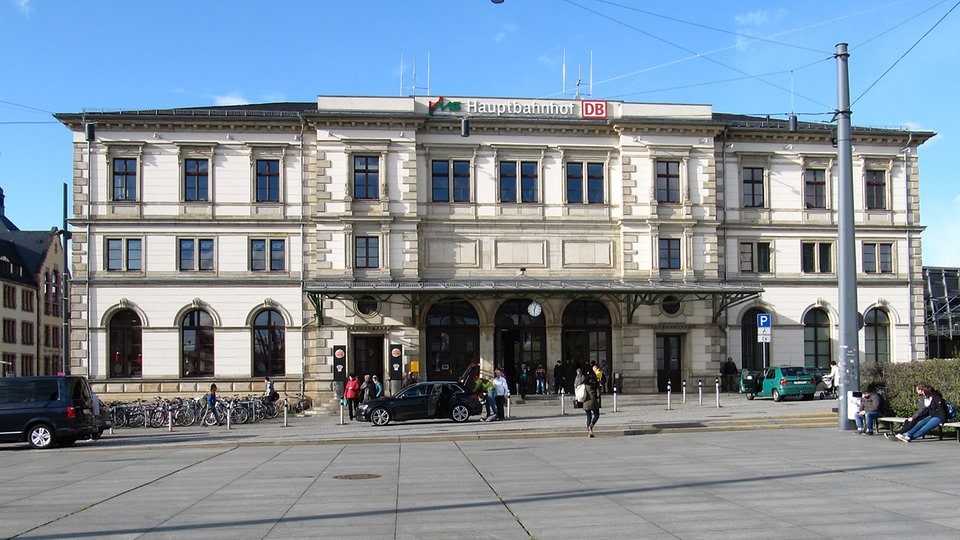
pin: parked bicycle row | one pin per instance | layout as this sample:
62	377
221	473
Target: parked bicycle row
201	410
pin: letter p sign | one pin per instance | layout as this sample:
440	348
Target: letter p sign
593	109
763	320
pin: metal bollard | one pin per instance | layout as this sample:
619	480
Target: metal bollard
668	395
341	411
169	420
684	392
700	390
229	414
286	408
614	400
562	404
507	412
718	392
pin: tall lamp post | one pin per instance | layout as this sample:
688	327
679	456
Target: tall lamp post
65	236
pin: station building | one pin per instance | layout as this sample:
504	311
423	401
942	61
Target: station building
382	235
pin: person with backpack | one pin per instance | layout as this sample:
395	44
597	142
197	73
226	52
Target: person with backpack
932	413
368	390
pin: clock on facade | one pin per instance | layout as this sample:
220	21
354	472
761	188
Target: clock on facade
534	309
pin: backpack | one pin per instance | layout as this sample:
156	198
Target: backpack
950	409
580	392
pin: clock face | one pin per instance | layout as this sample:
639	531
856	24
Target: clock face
534	309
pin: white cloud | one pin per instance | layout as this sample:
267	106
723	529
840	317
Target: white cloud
233	98
24	6
505	30
760	17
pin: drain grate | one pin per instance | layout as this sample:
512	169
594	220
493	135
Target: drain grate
359	476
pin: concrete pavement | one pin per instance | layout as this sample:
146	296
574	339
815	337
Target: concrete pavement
689	472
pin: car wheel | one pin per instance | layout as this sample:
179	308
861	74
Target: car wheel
776	395
380	416
40	436
460	413
750	396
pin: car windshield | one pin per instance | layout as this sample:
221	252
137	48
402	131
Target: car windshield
794	372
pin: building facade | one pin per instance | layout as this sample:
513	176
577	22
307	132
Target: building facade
34	283
384	235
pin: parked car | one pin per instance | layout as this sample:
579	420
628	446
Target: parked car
44	411
779	381
423	400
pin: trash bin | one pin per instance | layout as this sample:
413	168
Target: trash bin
617	382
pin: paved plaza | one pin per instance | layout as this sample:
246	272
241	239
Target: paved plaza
745	470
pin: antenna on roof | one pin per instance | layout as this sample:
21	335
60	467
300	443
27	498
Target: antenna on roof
413	89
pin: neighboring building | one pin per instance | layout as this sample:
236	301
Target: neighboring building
941	296
33	281
229	243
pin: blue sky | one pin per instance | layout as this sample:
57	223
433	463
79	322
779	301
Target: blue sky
750	57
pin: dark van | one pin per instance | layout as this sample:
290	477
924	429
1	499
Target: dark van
44	411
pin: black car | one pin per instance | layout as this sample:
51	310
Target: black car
45	411
424	400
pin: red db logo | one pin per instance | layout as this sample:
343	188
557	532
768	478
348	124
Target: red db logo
593	109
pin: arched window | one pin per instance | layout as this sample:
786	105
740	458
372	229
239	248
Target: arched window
587	338
126	336
196	344
816	339
269	337
752	351
453	337
876	336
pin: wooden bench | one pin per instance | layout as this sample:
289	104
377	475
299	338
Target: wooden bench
891	420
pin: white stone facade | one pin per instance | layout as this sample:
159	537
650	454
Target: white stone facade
667	220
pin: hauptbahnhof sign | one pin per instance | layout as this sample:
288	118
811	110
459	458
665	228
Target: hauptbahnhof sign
588	109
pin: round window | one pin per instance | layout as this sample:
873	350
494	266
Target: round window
670	305
367	305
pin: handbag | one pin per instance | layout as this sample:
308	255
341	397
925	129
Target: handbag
580	392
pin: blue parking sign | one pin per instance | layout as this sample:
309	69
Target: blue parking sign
764	320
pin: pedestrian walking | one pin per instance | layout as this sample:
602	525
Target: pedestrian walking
351	393
591	405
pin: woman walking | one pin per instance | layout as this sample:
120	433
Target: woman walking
591	405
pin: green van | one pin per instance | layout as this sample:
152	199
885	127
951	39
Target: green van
44	411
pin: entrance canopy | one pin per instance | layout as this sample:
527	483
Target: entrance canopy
633	294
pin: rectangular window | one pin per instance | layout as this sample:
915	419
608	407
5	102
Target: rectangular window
196	255
367	252
195	180
527	187
123	255
9	331
444	182
577	185
9	296
668	181
669	249
876	194
26	300
755	257
124	179
268	180
877	258
752	187
273	251
816	257
27	337
366	177
815	188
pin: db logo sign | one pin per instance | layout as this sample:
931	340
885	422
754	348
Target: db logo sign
593	109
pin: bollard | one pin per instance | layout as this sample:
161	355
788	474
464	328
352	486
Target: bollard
562	411
507	412
169	420
614	400
700	390
286	407
718	392
341	411
684	392
229	414
668	395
